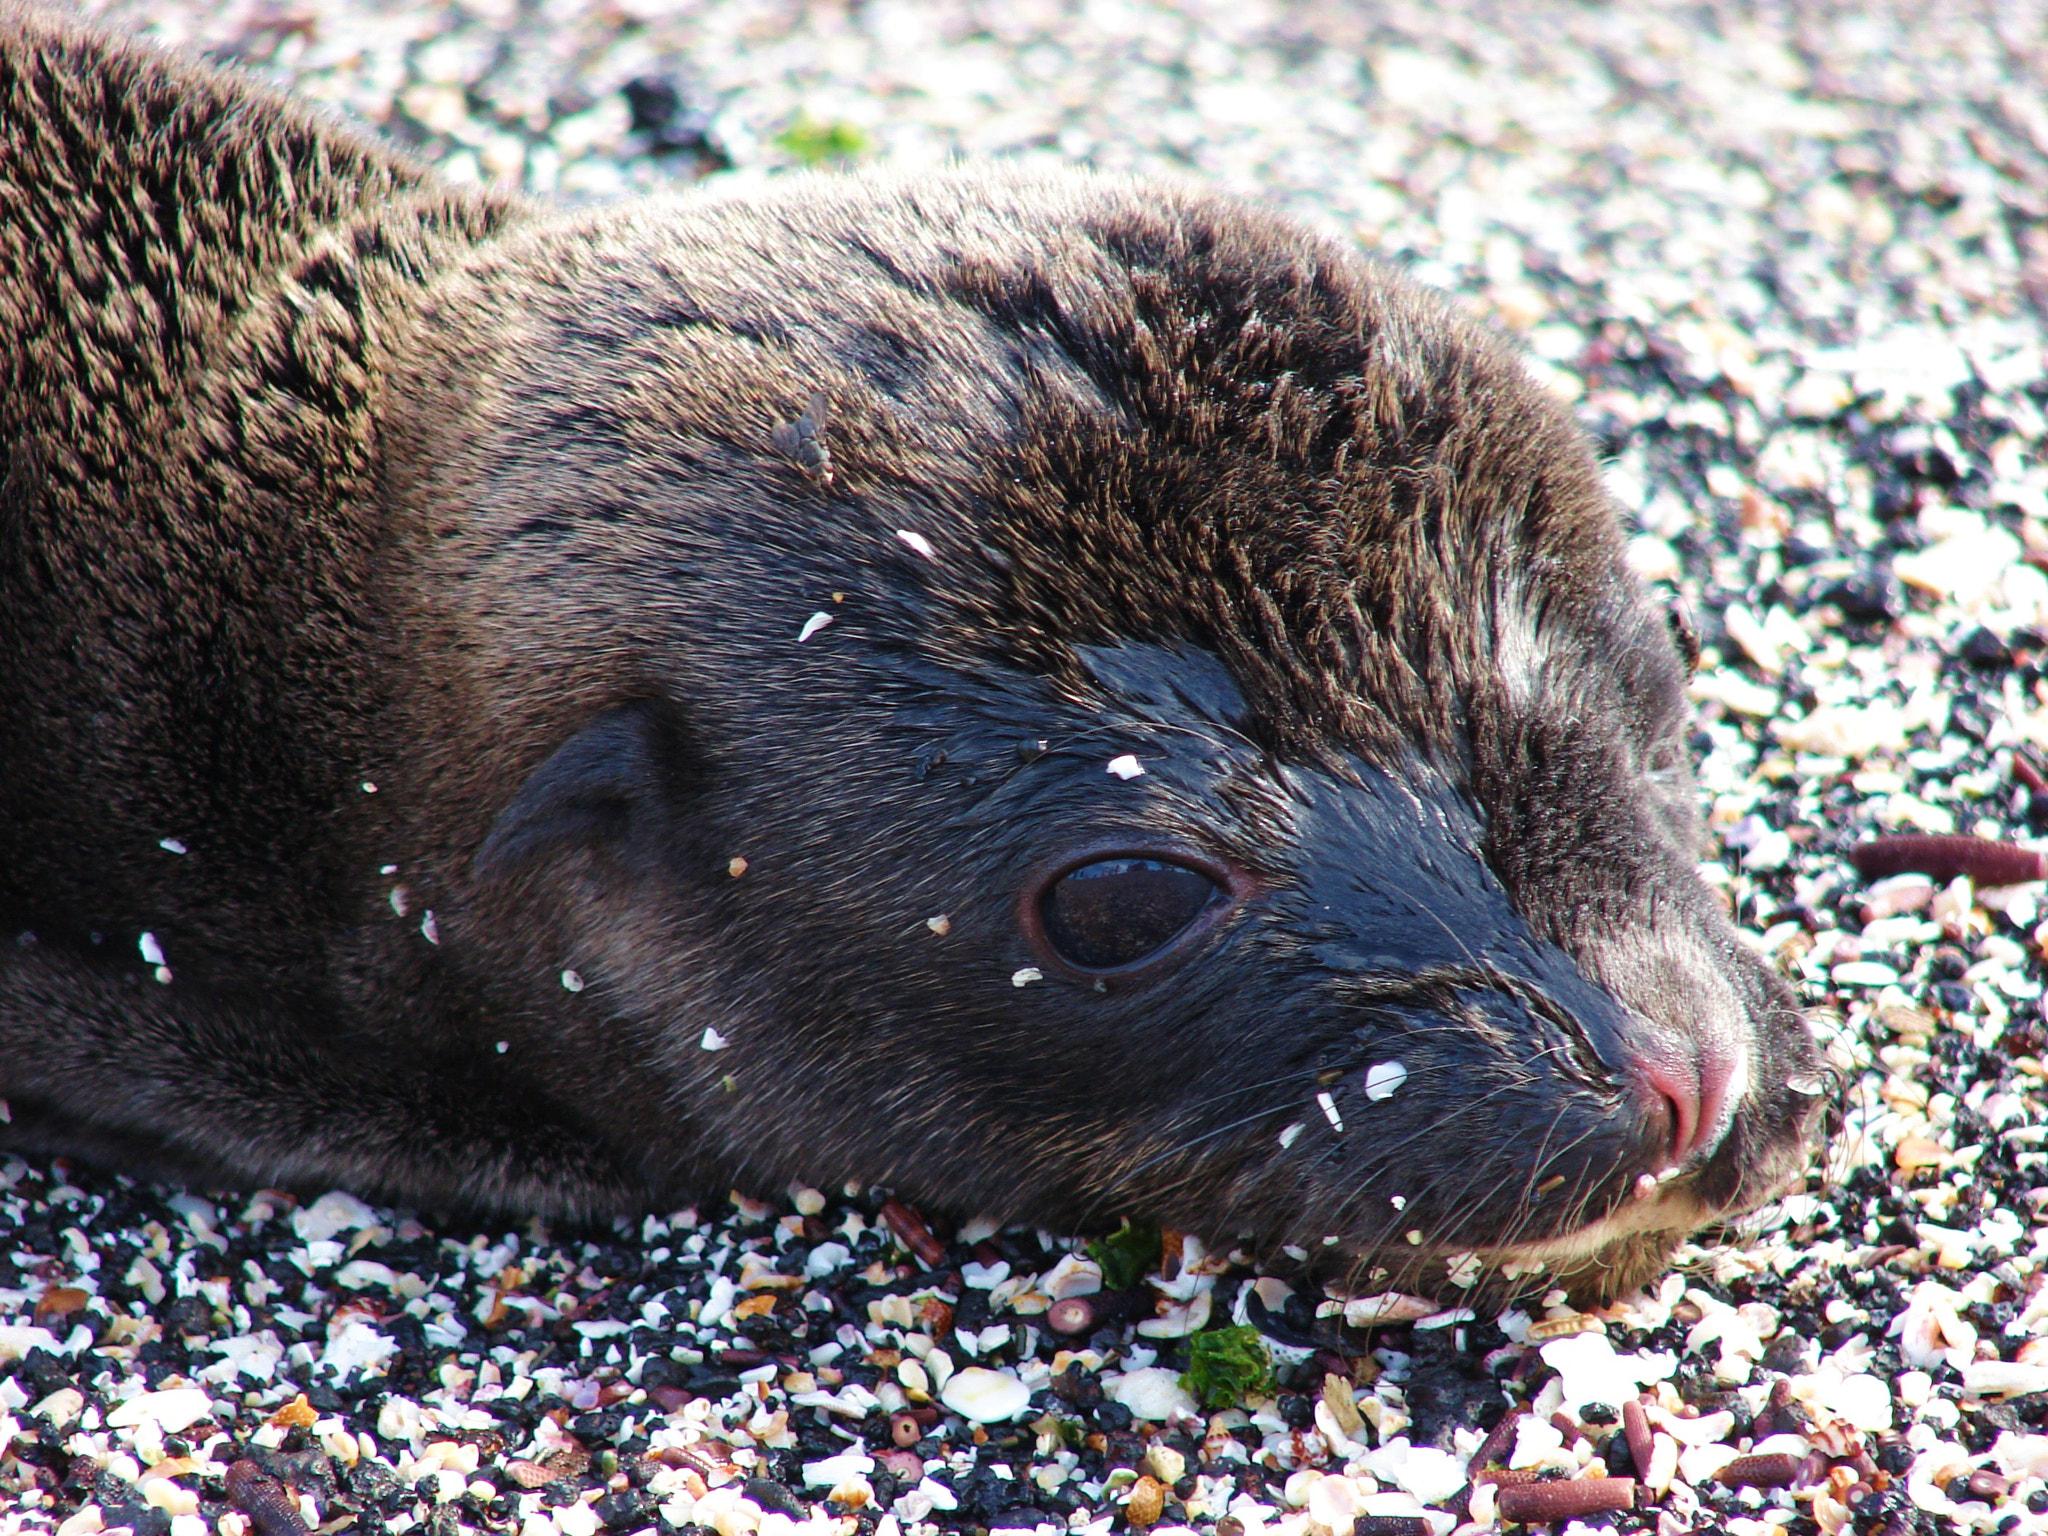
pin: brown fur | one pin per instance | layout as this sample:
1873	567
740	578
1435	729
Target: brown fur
320	476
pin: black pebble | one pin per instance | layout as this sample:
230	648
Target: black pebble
1981	648
627	1511
594	1428
1871	596
142	1519
44	1373
1621	1462
772	1495
673	121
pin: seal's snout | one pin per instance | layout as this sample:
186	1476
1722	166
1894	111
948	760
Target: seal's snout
1694	1085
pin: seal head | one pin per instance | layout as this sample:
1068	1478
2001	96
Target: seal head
1239	780
1061	696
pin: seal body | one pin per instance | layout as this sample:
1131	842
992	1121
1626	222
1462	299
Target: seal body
1056	695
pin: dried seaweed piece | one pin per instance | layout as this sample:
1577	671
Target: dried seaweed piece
1943	856
1537	1502
267	1502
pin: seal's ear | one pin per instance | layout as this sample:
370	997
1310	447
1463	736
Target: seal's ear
610	786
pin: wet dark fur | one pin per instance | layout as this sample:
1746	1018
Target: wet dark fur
321	476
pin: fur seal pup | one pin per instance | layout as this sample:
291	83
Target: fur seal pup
1057	695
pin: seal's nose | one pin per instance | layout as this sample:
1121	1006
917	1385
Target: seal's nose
1700	1083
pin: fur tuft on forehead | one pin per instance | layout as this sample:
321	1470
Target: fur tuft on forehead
1142	412
1241	436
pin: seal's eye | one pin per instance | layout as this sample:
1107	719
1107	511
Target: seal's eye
1117	912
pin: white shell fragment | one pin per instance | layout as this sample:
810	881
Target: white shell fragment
1383	1078
2003	1378
918	542
1127	767
1592	1372
834	1470
1025	975
170	845
1074	1275
17	1339
1328	1106
713	1040
173	1411
1431	1475
332	1214
1153	1393
1287	1137
1387	1307
429	929
984	1396
572	981
812	625
152	951
1176	1320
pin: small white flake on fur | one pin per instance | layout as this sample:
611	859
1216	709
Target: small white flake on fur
152	951
504	1046
812	625
398	900
572	981
1399	1202
6	1113
170	845
713	1040
1026	976
941	925
1329	1109
1126	767
369	788
387	869
163	975
1383	1078
918	542
429	929
1288	1136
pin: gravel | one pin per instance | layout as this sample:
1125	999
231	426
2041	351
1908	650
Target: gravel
1789	263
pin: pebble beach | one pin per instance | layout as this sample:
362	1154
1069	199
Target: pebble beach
1789	265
